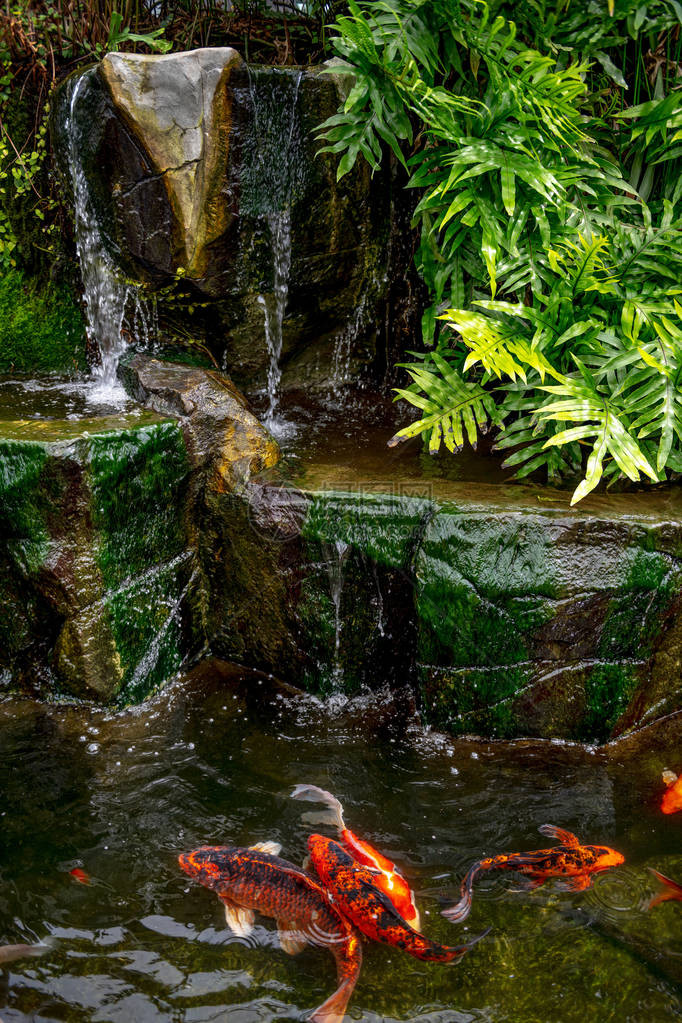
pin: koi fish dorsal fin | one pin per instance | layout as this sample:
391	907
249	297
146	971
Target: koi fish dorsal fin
669	777
273	848
561	836
313	794
291	939
239	920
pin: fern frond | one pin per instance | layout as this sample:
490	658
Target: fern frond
451	406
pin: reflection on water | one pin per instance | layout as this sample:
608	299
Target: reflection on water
213	759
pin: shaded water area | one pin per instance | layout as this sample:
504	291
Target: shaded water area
212	760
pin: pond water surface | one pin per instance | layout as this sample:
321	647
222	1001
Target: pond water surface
212	760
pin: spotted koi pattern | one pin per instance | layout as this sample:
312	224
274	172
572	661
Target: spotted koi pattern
570	860
253	880
387	877
352	887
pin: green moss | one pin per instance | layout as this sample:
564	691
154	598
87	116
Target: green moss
145	626
473	700
635	616
139	480
41	327
608	690
23	501
385	527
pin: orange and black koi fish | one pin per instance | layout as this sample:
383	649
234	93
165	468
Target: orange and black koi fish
256	879
388	878
672	797
672	891
570	860
352	887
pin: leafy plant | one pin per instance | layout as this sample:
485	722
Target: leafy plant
549	218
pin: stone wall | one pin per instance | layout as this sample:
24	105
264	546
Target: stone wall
508	618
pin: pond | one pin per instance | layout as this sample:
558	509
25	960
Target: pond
213	759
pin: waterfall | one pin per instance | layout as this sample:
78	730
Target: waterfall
274	172
335	557
279	224
113	308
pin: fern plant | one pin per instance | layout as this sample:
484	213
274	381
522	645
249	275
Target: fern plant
550	219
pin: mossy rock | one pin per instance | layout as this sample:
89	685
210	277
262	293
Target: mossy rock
41	326
95	569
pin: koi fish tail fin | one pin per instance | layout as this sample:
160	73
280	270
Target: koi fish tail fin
334	1009
460	911
671	889
313	794
457	951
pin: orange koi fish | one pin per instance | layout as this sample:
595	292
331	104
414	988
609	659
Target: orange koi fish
256	879
671	890
353	888
672	798
388	878
569	860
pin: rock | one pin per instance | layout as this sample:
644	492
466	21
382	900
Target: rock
179	107
222	436
204	178
507	617
95	570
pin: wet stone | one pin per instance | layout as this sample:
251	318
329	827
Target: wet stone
507	619
94	567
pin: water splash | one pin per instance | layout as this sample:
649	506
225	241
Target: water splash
114	309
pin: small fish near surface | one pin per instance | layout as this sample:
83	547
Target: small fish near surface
353	888
573	863
672	797
10	953
388	878
250	880
79	875
671	891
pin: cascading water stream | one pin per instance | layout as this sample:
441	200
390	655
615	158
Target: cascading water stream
274	306
112	306
335	556
276	176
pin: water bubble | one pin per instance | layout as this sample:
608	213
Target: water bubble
93	748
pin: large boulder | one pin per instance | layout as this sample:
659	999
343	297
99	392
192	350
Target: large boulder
207	189
223	438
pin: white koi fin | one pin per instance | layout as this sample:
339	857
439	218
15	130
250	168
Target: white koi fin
313	794
273	848
561	836
239	920
9	953
292	940
669	777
